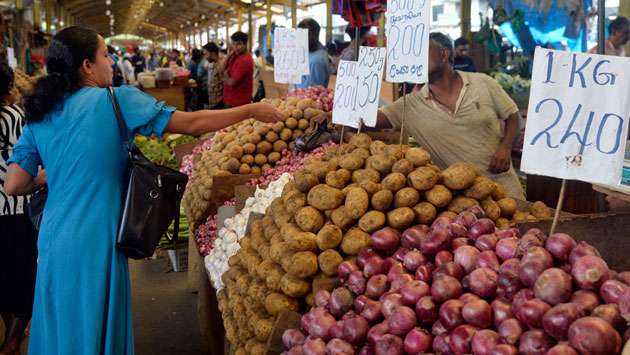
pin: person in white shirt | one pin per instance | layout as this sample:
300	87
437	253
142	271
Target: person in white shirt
618	36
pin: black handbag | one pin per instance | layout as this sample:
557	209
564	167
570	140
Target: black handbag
35	206
321	134
152	198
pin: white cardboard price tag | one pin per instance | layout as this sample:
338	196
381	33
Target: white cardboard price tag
577	121
344	112
290	50
407	41
370	71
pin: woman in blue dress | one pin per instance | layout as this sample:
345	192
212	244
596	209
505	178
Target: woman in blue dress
82	294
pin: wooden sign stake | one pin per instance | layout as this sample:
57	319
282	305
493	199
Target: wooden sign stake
402	121
556	216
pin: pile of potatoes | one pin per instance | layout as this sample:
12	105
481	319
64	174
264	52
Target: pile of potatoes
249	147
326	215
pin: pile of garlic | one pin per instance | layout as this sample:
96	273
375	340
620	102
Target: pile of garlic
234	229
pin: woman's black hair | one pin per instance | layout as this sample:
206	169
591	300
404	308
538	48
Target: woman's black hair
6	79
67	51
196	55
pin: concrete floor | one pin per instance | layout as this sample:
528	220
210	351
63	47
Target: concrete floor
164	313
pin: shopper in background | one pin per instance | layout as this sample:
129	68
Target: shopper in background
139	62
318	57
215	76
462	61
127	69
82	293
118	78
269	57
618	36
238	77
350	52
18	237
202	81
152	63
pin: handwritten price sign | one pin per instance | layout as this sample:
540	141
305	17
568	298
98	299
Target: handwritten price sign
344	106
407	41
290	50
577	121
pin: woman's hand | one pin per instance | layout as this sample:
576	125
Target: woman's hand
264	112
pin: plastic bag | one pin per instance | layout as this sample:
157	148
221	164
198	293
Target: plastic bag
321	134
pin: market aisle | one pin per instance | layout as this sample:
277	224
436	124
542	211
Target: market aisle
164	312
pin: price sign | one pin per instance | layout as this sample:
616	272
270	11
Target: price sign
344	112
577	121
290	50
370	72
407	41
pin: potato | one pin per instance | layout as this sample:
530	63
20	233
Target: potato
303	104
319	168
278	126
236	152
357	202
491	208
366	175
309	219
396	151
303	264
503	223
370	187
271	136
277	302
305	181
295	202
540	210
354	241
383	163
303	124
303	241
329	237
323	282
278	251
244	169
461	203
361	140
273	157
439	196
328	261
335	179
459	176
418	156
274	275
425	213
324	197
406	197
263	129
311	112
293	286
264	147
291	123
297	133
499	192
377	147
289	229
256	170
362	152
423	178
351	162
279	146
382	199
253	138
372	221
403	166
508	206
341	218
232	165
262	329
521	216
394	182
482	188
260	159
400	218
247	159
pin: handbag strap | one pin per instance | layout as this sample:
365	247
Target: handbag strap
122	126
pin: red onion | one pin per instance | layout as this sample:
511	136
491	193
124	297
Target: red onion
477	211
535	342
460	339
594	336
624	277
538	233
533	263
443	257
320	326
441	223
560	246
351	313
562	349
394	271
364	255
483	282
374	266
557	320
484	341
339	347
390	302
426	311
624	304
440	345
531	313
296	350
580	250
336	331
457	230
467	219
376	332
510	267
459	242
508	233
376	286
585	300
445	288
413	290
373	311
424	273
481	227
506	248
526	242
386	239
356	282
400	281
477	313
488	259
438	329
511	330
449	269
292	337
504	349
412	237
388	345
508	286
451	314
553	286
501	311
438	239
341	300
355	330
612	290
610	313
486	242
466	256
468	297
401	321
413	259
521	297
314	347
417	341
321	299
366	350
626	336
400	253
590	272
345	269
